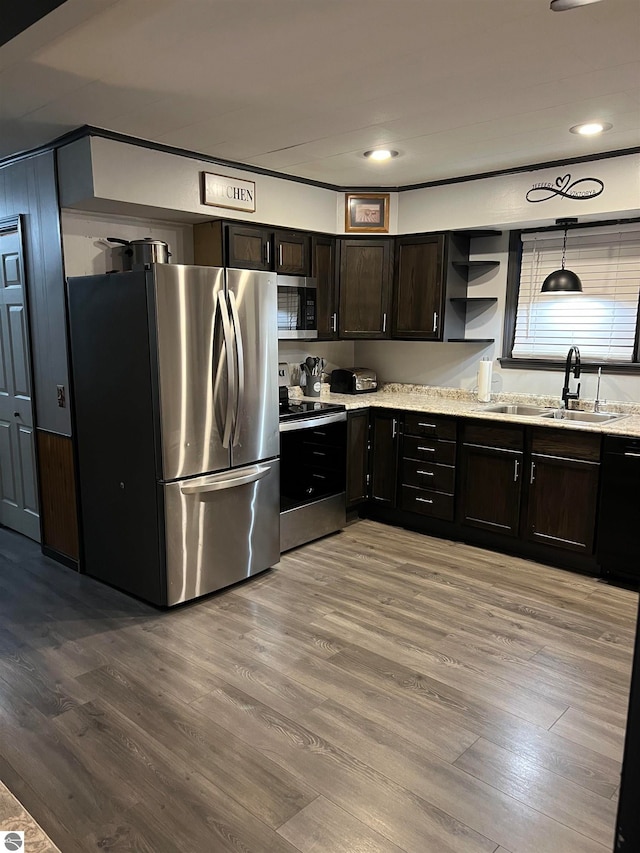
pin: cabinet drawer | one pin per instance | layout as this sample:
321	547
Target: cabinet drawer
426	475
434	504
429	449
436	427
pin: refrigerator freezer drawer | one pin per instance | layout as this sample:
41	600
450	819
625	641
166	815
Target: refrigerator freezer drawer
220	529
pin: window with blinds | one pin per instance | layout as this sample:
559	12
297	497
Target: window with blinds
601	320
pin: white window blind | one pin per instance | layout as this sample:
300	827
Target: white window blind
601	320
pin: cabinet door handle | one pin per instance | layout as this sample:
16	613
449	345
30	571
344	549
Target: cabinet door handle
435	321
516	466
424	500
426	473
384	322
334	322
394	428
428	449
267	251
533	471
280	254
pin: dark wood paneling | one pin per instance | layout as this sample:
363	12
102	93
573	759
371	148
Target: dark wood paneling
357	456
57	493
567	443
28	187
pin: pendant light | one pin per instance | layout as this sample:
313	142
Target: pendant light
562	280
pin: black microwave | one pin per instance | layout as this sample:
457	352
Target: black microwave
297	307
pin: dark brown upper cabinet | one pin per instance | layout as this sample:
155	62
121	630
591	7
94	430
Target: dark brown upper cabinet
292	253
365	288
324	270
251	247
248	247
418	300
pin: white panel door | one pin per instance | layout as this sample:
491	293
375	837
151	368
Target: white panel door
18	490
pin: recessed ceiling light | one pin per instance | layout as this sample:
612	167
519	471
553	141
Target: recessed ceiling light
591	128
380	154
565	5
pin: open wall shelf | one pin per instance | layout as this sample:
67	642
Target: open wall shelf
471	266
471	340
477	300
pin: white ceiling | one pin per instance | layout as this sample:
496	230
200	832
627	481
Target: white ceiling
303	87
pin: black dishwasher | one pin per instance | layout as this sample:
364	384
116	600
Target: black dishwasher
618	547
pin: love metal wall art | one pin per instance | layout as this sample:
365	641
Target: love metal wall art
564	187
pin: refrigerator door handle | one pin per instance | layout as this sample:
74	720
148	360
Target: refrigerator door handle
239	347
227	480
231	368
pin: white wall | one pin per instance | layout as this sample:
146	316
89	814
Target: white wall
86	252
501	201
116	177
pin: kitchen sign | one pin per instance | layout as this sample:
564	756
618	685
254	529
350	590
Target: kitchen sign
564	187
233	193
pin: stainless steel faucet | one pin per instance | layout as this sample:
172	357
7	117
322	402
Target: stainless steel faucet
597	401
566	393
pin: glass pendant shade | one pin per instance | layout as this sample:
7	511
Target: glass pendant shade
562	280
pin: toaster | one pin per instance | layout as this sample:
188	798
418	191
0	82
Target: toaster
353	380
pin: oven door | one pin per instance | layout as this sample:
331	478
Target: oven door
297	308
313	478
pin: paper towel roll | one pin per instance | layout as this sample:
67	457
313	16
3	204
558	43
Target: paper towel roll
485	369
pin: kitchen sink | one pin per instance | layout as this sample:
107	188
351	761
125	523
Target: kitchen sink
515	409
585	417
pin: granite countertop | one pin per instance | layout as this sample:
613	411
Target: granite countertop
453	401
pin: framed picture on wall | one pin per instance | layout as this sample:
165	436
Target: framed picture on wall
366	212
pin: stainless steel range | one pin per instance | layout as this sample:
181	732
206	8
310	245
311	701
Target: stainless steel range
313	439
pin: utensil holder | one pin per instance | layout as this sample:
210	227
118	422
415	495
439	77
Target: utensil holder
314	384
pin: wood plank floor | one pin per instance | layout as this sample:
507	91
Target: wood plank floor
380	691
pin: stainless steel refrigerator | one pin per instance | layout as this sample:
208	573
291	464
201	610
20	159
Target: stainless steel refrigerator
175	412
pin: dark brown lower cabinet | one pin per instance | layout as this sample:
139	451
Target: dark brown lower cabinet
491	481
490	489
563	477
357	457
384	457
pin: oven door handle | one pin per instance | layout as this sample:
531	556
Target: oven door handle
312	422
